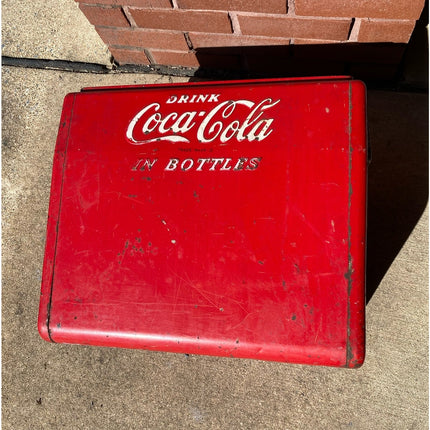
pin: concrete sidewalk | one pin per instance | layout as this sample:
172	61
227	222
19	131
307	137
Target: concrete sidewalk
50	386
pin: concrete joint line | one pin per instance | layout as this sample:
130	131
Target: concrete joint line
61	65
180	71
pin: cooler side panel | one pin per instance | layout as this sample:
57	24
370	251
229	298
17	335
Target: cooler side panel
357	217
53	216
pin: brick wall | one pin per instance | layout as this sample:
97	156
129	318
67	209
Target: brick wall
227	33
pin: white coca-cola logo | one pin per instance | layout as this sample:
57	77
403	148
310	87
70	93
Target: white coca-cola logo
234	119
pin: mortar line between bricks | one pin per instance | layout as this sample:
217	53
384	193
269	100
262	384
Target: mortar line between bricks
235	26
291	7
286	16
129	17
354	29
149	55
188	41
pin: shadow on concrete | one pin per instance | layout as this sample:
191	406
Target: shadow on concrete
398	174
397	178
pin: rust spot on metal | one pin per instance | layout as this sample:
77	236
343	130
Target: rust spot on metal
348	277
349	354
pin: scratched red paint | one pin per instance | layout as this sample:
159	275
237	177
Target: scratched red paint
211	218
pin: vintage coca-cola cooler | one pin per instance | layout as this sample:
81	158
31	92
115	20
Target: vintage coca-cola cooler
223	218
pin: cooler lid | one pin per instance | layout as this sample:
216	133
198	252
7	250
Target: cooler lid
211	218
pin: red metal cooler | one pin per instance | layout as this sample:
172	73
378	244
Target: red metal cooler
223	218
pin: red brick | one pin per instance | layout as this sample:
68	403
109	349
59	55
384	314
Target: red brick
141	38
208	40
263	52
138	3
129	56
292	27
174	58
104	16
191	59
388	9
220	61
263	6
212	22
385	31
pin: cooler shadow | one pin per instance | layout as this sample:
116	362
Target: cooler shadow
397	126
397	176
376	63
